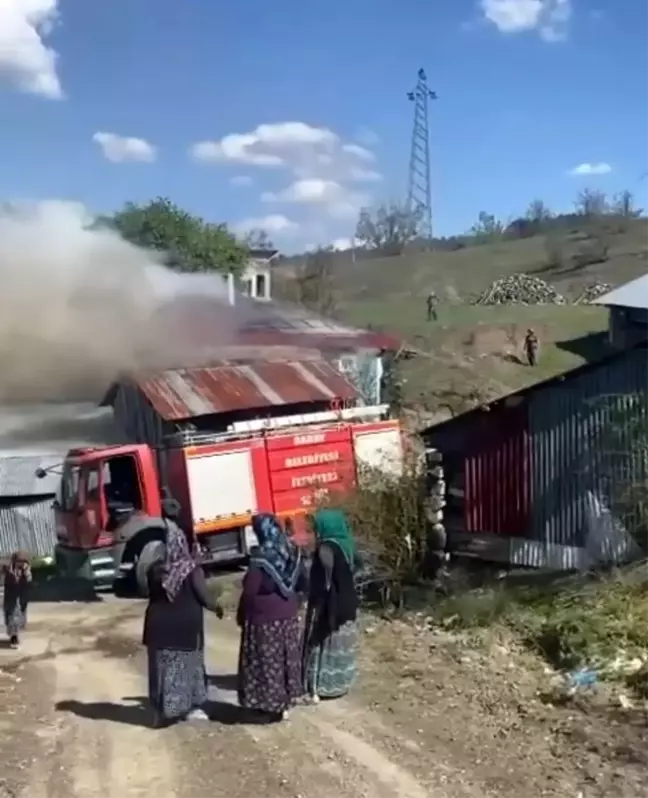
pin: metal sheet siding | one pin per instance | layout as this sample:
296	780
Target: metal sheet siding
29	526
570	425
496	476
18	475
188	393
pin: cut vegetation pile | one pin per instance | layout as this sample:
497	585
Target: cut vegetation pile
520	289
598	623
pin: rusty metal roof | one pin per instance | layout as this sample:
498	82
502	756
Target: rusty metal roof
188	393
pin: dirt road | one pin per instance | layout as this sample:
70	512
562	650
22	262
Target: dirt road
75	724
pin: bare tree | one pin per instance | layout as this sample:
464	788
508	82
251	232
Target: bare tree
389	229
624	205
591	203
538	212
314	282
487	227
258	239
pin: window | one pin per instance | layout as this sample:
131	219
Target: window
121	484
70	487
261	286
247	287
92	484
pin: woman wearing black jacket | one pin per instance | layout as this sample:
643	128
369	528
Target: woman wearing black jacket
174	633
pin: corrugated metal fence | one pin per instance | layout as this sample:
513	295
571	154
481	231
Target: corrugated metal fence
28	525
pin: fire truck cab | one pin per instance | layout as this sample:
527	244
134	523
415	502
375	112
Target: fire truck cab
110	523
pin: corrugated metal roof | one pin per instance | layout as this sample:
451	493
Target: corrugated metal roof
187	393
631	295
208	322
18	475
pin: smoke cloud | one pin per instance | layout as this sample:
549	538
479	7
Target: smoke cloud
81	305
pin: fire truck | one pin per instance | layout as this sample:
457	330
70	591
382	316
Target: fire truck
110	524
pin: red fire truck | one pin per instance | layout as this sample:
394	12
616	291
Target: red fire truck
109	519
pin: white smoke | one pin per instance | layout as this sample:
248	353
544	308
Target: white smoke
79	304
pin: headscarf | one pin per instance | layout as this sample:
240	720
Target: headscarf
178	563
276	554
20	562
332	526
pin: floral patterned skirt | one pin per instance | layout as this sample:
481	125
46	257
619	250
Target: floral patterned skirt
269	676
177	681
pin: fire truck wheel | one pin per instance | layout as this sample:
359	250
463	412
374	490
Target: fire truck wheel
152	551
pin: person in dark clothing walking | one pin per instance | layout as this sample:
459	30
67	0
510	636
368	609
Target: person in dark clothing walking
331	633
174	633
17	579
269	673
531	345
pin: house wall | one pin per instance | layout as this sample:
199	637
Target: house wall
627	326
256	281
533	479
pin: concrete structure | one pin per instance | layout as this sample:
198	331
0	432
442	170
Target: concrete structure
256	280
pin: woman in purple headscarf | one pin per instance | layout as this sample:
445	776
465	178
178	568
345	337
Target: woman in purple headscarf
174	634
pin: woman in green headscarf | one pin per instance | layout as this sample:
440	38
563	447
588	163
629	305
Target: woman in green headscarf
331	635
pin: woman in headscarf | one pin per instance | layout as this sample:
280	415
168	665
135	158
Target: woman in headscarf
17	578
331	633
174	632
270	680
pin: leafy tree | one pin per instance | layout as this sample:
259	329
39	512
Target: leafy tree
190	244
389	229
258	239
591	203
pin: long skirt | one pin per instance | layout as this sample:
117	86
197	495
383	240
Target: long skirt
269	675
330	667
177	681
15	619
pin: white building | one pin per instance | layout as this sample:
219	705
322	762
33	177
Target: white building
256	280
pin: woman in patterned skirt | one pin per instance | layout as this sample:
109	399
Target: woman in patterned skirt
174	633
17	578
269	674
331	634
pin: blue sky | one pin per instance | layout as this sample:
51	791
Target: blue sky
528	90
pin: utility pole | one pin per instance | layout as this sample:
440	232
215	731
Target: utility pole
419	193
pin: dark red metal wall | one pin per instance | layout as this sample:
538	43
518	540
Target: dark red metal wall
497	474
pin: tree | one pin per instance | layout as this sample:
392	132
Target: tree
624	205
189	243
487	227
591	203
258	239
389	229
538	212
314	281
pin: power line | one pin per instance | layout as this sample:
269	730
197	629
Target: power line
419	192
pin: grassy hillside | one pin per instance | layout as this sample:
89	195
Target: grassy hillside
473	352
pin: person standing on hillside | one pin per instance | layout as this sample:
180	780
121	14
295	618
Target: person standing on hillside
531	345
432	302
17	579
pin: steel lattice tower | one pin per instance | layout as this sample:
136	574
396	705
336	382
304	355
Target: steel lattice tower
419	193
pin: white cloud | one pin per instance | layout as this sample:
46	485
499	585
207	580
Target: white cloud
274	223
367	137
335	198
585	169
342	244
122	149
26	62
241	180
550	18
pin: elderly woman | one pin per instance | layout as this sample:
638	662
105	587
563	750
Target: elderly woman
331	633
269	675
174	633
17	578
